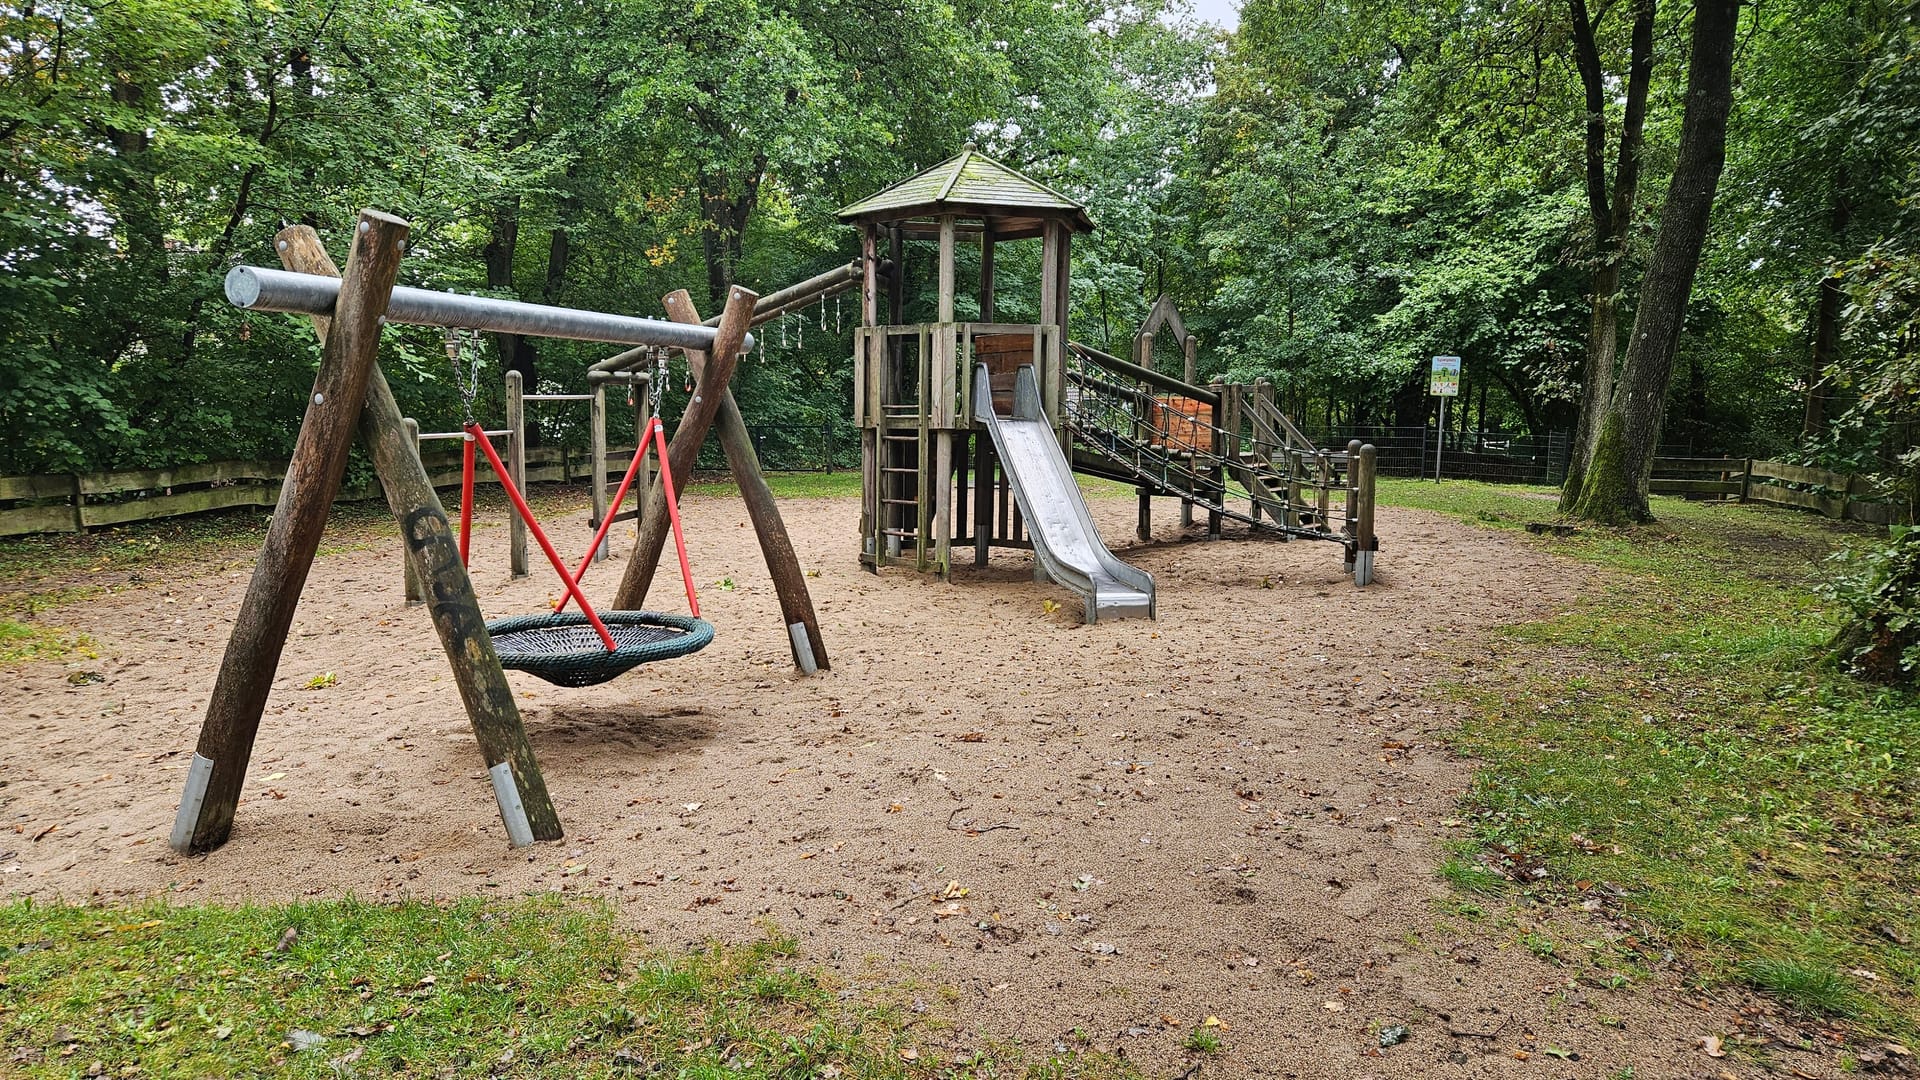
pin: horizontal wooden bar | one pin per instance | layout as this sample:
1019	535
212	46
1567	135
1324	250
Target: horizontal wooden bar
1805	500
1673	486
430	436
1800	474
35	487
113	483
36	519
197	501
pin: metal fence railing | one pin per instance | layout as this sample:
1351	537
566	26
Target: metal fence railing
1499	456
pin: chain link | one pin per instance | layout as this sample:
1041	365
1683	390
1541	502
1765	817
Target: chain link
466	381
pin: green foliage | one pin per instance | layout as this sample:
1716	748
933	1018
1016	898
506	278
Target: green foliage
1879	587
1330	195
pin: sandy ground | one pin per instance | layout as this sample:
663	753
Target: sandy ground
1028	828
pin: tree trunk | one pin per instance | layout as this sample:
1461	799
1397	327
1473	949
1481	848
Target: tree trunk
1612	219
726	215
1825	354
139	199
503	241
1826	327
1615	486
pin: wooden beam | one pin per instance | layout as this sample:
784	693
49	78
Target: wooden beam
684	448
517	465
783	565
455	610
864	359
946	284
219	765
435	555
986	273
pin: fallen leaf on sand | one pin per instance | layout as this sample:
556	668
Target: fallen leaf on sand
1712	1045
1334	1006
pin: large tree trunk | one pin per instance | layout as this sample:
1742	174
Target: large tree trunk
1618	469
503	242
1611	220
725	215
1825	354
1826	327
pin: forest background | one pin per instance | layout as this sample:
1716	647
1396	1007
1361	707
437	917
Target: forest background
1332	193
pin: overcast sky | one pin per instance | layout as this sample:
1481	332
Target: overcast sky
1225	13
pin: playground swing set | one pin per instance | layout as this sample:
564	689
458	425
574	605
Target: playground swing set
351	397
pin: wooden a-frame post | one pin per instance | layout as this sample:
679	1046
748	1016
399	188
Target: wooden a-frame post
789	582
684	448
350	391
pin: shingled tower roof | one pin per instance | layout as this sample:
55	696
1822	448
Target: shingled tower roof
973	185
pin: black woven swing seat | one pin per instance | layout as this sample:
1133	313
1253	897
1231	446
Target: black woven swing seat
564	650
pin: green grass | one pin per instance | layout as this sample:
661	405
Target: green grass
844	484
20	642
469	989
1676	742
1202	1040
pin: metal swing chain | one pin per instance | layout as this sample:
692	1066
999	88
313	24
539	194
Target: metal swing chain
466	382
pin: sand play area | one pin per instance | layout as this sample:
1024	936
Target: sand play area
1026	828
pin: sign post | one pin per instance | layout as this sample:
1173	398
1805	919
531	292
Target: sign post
1445	384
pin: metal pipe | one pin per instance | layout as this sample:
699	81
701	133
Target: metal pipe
257	288
429	436
557	397
768	308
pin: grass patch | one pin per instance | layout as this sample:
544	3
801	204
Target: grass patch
1676	741
1810	986
20	642
1202	1041
844	484
545	989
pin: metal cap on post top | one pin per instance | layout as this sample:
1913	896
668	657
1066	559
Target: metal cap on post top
258	288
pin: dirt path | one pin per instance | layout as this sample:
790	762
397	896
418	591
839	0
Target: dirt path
1028	828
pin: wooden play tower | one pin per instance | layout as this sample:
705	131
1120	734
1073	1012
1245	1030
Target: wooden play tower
931	478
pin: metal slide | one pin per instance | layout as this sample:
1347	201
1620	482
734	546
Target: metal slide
1064	539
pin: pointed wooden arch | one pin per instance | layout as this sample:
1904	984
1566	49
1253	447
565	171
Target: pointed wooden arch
1164	314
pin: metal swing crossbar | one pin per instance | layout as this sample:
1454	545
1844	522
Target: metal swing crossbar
558	646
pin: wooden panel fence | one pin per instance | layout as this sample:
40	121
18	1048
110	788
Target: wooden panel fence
51	504
1840	496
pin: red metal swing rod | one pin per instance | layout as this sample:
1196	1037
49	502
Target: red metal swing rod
657	437
479	434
